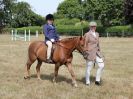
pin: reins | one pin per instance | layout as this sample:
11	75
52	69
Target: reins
66	47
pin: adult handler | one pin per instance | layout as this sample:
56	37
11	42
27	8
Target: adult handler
93	54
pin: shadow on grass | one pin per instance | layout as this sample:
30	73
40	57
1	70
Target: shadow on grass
61	78
50	77
92	79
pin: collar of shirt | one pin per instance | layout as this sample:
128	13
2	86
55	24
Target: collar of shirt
93	33
51	25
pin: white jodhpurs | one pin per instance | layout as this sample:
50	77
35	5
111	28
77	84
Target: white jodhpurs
89	65
49	44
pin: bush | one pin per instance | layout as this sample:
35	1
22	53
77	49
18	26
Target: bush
120	31
100	30
32	29
66	21
76	30
82	24
69	30
21	30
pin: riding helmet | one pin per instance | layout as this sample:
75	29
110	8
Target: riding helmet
49	17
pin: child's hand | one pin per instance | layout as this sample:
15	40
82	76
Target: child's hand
52	40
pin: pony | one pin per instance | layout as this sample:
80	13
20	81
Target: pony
62	55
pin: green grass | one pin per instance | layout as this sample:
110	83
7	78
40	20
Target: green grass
117	77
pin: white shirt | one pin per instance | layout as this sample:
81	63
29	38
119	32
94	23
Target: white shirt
93	33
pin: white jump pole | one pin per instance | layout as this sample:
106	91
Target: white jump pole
15	35
29	35
122	33
24	35
107	34
12	35
36	33
82	32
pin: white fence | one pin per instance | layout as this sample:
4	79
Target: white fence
25	36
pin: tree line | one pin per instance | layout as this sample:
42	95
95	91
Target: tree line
18	14
109	12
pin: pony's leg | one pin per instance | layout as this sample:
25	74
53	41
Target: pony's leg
27	68
56	72
38	69
69	66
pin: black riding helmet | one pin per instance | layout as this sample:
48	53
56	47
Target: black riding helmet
49	17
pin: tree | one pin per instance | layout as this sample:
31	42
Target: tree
70	8
7	11
128	10
110	12
18	14
36	20
1	13
22	15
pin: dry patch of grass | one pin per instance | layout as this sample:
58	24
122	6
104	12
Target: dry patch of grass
117	77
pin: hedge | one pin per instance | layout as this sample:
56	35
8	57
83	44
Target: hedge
21	30
119	31
69	30
32	29
66	21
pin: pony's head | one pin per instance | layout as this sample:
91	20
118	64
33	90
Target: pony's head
80	44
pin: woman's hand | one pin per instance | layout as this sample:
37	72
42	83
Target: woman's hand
85	54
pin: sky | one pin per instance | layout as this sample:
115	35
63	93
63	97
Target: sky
43	7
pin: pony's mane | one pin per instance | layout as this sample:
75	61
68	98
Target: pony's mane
68	39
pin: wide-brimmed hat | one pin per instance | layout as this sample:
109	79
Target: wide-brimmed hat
93	23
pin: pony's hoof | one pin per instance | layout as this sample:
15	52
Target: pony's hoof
75	85
54	80
26	77
39	79
54	83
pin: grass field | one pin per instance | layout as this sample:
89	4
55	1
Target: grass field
117	76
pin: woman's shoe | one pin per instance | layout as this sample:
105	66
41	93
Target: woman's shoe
98	83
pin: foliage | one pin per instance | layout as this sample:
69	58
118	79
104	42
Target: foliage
110	12
32	29
24	16
128	11
18	14
120	31
77	30
6	12
70	9
66	21
69	30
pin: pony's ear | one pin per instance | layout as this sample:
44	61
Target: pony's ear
81	37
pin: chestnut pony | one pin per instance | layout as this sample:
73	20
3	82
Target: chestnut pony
62	55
